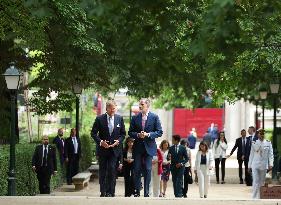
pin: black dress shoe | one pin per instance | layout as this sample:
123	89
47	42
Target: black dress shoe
102	195
241	181
136	195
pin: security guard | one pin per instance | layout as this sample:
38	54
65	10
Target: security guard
260	161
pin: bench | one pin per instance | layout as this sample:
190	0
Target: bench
81	180
94	169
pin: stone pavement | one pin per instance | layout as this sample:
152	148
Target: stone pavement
230	193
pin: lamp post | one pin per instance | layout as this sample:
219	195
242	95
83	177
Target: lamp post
274	89
12	77
77	89
263	95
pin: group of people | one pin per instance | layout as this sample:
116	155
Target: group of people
44	161
140	158
256	153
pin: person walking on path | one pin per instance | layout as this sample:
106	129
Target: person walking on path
164	146
156	173
191	140
145	127
203	166
242	153
44	163
72	152
187	169
128	167
260	162
219	150
108	131
59	142
178	156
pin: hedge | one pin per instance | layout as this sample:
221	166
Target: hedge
26	181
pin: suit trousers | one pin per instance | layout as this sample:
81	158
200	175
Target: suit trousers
107	173
72	168
129	180
203	180
217	165
154	187
240	162
142	163
258	181
177	178
44	178
185	180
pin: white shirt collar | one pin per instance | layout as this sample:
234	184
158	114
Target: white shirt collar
107	115
146	114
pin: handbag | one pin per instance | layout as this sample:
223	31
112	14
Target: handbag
190	179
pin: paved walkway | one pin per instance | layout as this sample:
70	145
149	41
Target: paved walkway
216	191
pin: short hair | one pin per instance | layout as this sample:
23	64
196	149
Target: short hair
177	138
184	142
60	129
45	136
163	142
253	128
146	100
205	144
109	103
243	130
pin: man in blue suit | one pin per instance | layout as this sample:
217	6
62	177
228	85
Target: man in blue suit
144	128
108	132
178	156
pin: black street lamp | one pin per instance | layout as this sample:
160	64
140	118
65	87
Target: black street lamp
77	89
263	95
12	77
274	89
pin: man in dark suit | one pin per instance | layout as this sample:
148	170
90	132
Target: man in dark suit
44	163
242	153
108	132
253	135
72	154
59	142
144	128
178	156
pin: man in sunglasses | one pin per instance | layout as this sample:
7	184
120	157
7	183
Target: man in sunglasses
260	162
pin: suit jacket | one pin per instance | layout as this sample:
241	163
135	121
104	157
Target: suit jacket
209	160
152	126
180	157
100	131
37	159
238	144
69	148
59	142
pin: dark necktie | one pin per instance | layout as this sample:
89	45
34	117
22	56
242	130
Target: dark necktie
176	149
45	156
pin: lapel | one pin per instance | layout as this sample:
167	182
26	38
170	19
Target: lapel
41	152
106	122
148	118
139	119
115	123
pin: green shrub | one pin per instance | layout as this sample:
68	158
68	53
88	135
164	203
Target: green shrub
26	181
87	147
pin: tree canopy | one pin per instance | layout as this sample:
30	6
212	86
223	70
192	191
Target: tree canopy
170	50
